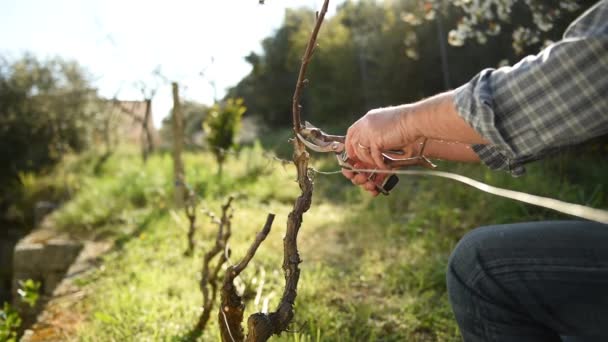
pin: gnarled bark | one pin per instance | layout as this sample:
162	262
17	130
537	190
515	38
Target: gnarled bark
262	326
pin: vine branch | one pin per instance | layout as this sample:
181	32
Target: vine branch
230	315
208	283
261	326
301	82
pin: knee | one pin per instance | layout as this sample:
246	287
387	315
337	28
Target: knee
466	262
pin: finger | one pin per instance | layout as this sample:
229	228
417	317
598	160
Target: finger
360	179
379	179
369	186
364	154
348	173
376	154
348	142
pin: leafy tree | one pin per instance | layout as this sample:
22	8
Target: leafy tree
221	126
376	53
47	108
194	114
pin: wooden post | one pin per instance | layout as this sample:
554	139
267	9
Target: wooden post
148	144
178	138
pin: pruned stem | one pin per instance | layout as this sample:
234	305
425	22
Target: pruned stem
230	314
310	48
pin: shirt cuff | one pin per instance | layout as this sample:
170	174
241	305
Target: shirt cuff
491	156
474	103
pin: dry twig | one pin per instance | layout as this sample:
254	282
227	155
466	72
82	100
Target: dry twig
208	284
190	209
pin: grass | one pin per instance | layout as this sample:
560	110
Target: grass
373	268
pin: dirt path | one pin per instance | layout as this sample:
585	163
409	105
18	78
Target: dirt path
60	318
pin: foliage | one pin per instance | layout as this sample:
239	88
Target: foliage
47	108
44	111
194	115
373	268
105	200
221	126
9	323
29	291
483	19
374	54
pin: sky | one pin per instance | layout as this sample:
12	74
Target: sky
121	42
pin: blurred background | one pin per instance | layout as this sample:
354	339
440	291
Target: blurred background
85	133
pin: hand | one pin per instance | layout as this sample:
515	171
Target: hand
377	131
363	179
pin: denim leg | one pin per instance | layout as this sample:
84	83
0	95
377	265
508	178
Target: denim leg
531	282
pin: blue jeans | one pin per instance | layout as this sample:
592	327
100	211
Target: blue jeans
529	282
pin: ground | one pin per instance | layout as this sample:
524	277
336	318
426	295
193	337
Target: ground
373	269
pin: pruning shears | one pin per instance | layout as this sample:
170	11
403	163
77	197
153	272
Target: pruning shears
319	141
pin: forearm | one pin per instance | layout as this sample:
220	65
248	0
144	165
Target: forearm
403	127
437	118
452	151
448	136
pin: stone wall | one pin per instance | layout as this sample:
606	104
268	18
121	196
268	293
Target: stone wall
45	257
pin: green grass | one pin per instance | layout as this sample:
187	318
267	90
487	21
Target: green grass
373	268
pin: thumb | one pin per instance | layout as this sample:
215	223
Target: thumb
348	145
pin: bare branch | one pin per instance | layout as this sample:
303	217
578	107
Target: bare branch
310	47
190	209
238	268
232	307
208	283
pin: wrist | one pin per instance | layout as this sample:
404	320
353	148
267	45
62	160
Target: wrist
410	123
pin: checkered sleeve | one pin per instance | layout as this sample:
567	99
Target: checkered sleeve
554	99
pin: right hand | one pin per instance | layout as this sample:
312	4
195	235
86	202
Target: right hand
379	130
362	178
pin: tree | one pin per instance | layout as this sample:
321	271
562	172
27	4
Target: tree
47	108
194	114
392	52
222	126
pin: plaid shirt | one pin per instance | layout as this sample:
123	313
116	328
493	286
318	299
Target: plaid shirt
554	99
